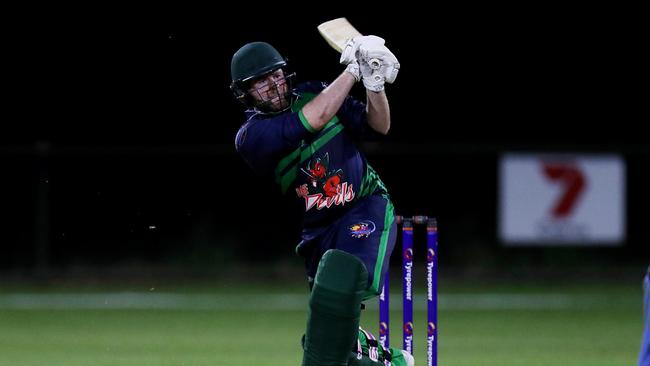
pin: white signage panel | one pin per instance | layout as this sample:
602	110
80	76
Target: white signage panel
568	199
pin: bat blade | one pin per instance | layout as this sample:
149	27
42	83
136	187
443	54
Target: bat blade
337	31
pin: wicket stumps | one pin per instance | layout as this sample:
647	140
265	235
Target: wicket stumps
407	289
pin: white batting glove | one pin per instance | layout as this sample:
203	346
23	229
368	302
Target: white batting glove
349	52
353	68
372	77
390	72
380	59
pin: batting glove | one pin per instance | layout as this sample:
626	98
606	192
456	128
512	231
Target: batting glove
349	52
372	77
382	60
353	68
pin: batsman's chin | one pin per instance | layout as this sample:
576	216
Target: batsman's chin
275	105
279	103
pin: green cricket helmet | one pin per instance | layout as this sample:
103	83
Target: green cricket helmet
251	61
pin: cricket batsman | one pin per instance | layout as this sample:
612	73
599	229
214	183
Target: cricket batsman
305	138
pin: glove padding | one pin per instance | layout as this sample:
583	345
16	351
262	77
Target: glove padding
371	77
349	52
354	69
378	66
380	59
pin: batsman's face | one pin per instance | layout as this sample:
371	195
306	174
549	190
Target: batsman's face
271	91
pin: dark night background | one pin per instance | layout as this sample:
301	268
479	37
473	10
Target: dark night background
117	147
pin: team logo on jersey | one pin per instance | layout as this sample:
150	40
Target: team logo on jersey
362	229
325	187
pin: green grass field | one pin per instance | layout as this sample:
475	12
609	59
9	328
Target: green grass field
500	325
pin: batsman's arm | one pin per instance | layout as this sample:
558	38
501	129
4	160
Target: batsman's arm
320	110
378	111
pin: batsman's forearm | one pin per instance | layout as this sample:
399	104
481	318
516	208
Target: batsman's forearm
378	111
321	109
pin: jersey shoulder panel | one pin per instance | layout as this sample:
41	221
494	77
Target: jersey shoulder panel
311	86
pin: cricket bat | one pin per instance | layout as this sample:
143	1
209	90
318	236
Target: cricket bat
337	31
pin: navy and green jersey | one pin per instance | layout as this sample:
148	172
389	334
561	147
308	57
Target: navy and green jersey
323	169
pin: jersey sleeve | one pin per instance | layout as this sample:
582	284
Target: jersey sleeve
262	142
353	115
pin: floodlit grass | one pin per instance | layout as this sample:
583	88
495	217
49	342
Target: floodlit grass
260	325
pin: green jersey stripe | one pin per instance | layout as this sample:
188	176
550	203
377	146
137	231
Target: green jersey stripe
290	159
371	182
291	174
305	122
381	254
